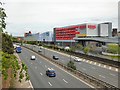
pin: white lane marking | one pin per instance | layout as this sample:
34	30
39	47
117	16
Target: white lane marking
104	66
31	84
109	67
112	74
65	81
93	67
49	83
83	68
83	59
41	74
95	63
116	69
102	76
99	65
45	66
64	70
90	62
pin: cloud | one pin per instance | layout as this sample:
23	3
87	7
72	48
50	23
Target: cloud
58	12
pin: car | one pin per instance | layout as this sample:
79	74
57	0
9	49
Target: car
32	57
67	48
51	72
40	50
55	57
77	59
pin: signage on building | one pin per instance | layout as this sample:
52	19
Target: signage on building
92	26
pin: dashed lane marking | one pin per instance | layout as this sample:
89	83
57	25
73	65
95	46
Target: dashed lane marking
90	62
109	67
116	69
83	68
41	74
49	83
112	74
104	66
102	76
99	65
65	81
45	66
94	63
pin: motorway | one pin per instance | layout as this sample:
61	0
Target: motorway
101	73
37	69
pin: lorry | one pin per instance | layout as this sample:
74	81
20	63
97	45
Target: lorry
18	49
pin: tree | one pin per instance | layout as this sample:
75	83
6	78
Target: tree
86	50
7	44
9	61
71	65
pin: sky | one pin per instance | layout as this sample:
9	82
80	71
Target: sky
44	15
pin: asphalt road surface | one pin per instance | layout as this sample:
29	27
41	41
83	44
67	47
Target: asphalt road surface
103	74
38	67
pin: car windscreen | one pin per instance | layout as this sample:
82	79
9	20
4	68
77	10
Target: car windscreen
51	71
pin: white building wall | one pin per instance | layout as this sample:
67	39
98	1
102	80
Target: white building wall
46	36
90	31
103	29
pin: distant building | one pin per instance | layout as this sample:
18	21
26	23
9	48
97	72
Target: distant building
43	37
114	32
27	34
46	36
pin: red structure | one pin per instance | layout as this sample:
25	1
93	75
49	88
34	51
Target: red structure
67	33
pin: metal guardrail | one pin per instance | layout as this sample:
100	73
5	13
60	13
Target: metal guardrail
98	84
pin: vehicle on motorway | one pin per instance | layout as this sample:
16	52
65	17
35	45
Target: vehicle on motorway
18	49
33	57
77	59
51	72
67	48
40	50
55	57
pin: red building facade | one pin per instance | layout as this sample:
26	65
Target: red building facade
67	33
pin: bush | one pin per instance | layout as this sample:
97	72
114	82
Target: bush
71	65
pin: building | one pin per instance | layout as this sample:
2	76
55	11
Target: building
64	36
42	37
27	34
46	36
114	32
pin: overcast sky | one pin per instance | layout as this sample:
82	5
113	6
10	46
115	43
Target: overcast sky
44	15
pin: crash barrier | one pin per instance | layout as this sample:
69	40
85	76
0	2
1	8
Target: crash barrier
98	84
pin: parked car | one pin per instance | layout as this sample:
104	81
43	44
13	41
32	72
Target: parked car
33	57
55	57
77	59
51	72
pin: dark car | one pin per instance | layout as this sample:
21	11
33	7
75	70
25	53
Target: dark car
51	72
55	57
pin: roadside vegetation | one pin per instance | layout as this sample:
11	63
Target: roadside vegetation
9	65
71	65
